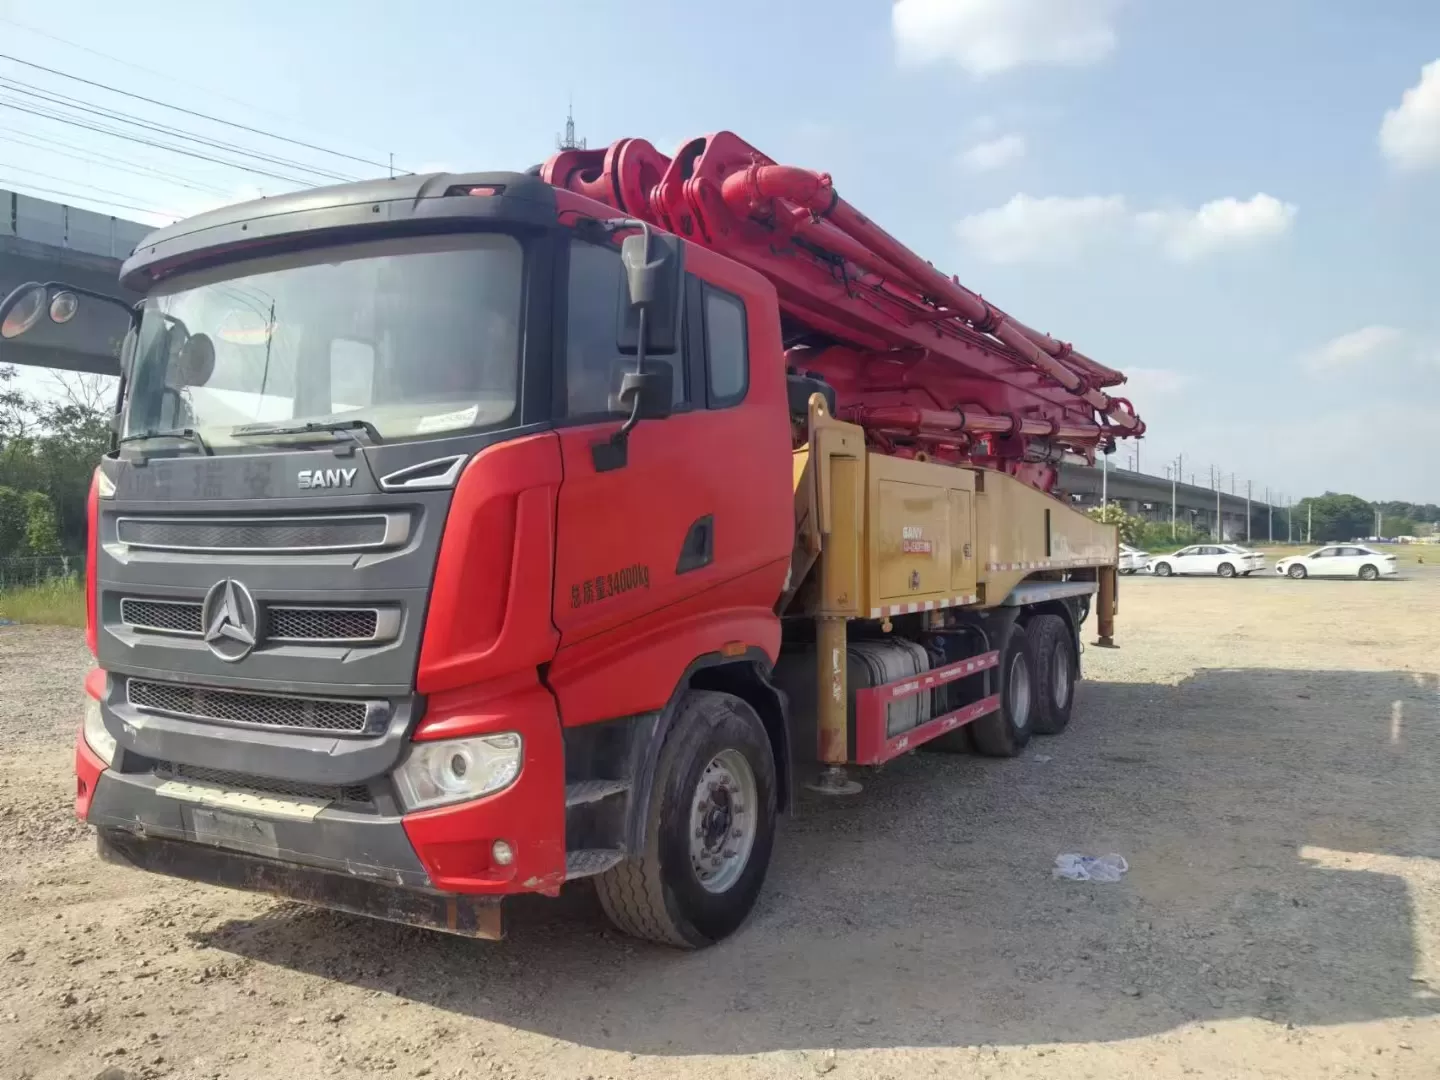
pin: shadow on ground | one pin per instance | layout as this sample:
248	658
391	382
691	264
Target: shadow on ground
1267	816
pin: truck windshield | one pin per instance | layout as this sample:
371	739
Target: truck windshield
406	338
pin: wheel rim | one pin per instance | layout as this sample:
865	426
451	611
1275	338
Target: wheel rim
723	821
1227	570
1297	571
1019	693
1061	682
1163	569
1368	573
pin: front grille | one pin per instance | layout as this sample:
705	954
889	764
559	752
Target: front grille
241	707
339	532
350	793
322	624
166	616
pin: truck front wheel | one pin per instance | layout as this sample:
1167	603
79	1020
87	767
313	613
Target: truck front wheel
709	830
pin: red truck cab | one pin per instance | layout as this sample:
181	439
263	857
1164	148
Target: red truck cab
388	613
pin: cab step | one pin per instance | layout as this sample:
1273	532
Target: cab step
587	862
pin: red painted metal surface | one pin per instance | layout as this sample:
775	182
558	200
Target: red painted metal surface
490	601
88	765
921	362
873	745
454	842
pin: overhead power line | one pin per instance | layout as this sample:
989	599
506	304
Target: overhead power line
93	157
18	184
167	77
25	107
64	101
192	112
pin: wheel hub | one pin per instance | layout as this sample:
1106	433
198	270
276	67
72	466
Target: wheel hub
1020	693
1062	676
723	821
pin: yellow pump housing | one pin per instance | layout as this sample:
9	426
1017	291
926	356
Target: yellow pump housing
901	536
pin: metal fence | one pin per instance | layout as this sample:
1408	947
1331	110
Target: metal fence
37	570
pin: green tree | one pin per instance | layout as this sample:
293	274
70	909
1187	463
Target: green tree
1334	517
1114	514
12	521
52	447
42	533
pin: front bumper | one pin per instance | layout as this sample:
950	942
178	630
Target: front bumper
445	850
370	847
468	916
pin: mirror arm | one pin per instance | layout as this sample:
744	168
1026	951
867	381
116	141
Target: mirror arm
93	294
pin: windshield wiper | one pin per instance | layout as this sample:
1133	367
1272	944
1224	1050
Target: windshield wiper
170	433
345	427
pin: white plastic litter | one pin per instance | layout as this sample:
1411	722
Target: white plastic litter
1104	869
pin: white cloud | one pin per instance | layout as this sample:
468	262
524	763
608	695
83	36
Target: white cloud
1058	229
1146	384
1360	347
1050	229
987	37
1410	132
1222	223
994	153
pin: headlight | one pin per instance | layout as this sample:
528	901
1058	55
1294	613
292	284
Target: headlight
96	737
453	770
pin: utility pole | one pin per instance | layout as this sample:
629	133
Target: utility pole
1137	455
1309	520
1174	481
1104	478
1248	486
1219	520
1270	513
1289	520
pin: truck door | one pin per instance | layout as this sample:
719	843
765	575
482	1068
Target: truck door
703	499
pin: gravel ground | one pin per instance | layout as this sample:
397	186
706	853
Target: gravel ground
1263	753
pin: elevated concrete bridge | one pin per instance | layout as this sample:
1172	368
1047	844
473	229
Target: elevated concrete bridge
1149	497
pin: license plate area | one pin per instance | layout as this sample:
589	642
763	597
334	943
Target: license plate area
216	828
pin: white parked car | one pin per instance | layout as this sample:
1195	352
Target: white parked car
1254	560
1339	560
1133	560
1226	560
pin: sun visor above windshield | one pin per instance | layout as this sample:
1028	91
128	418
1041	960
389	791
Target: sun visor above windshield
296	218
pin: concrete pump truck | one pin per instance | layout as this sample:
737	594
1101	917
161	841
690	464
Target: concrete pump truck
465	535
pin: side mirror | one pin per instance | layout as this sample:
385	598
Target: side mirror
654	278
21	310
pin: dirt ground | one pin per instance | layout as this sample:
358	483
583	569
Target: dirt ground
1263	752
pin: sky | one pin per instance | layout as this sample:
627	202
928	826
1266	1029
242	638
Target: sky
1237	203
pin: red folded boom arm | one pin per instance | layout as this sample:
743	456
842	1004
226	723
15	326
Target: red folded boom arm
922	363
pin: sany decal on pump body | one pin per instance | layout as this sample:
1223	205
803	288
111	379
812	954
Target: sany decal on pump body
913	542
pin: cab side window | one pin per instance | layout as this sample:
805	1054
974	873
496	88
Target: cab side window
727	348
594	364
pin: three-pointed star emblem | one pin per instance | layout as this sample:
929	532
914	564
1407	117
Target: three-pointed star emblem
231	626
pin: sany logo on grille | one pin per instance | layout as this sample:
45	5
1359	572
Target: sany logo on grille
326	478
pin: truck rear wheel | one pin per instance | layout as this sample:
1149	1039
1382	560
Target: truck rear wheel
1055	672
709	829
1006	732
